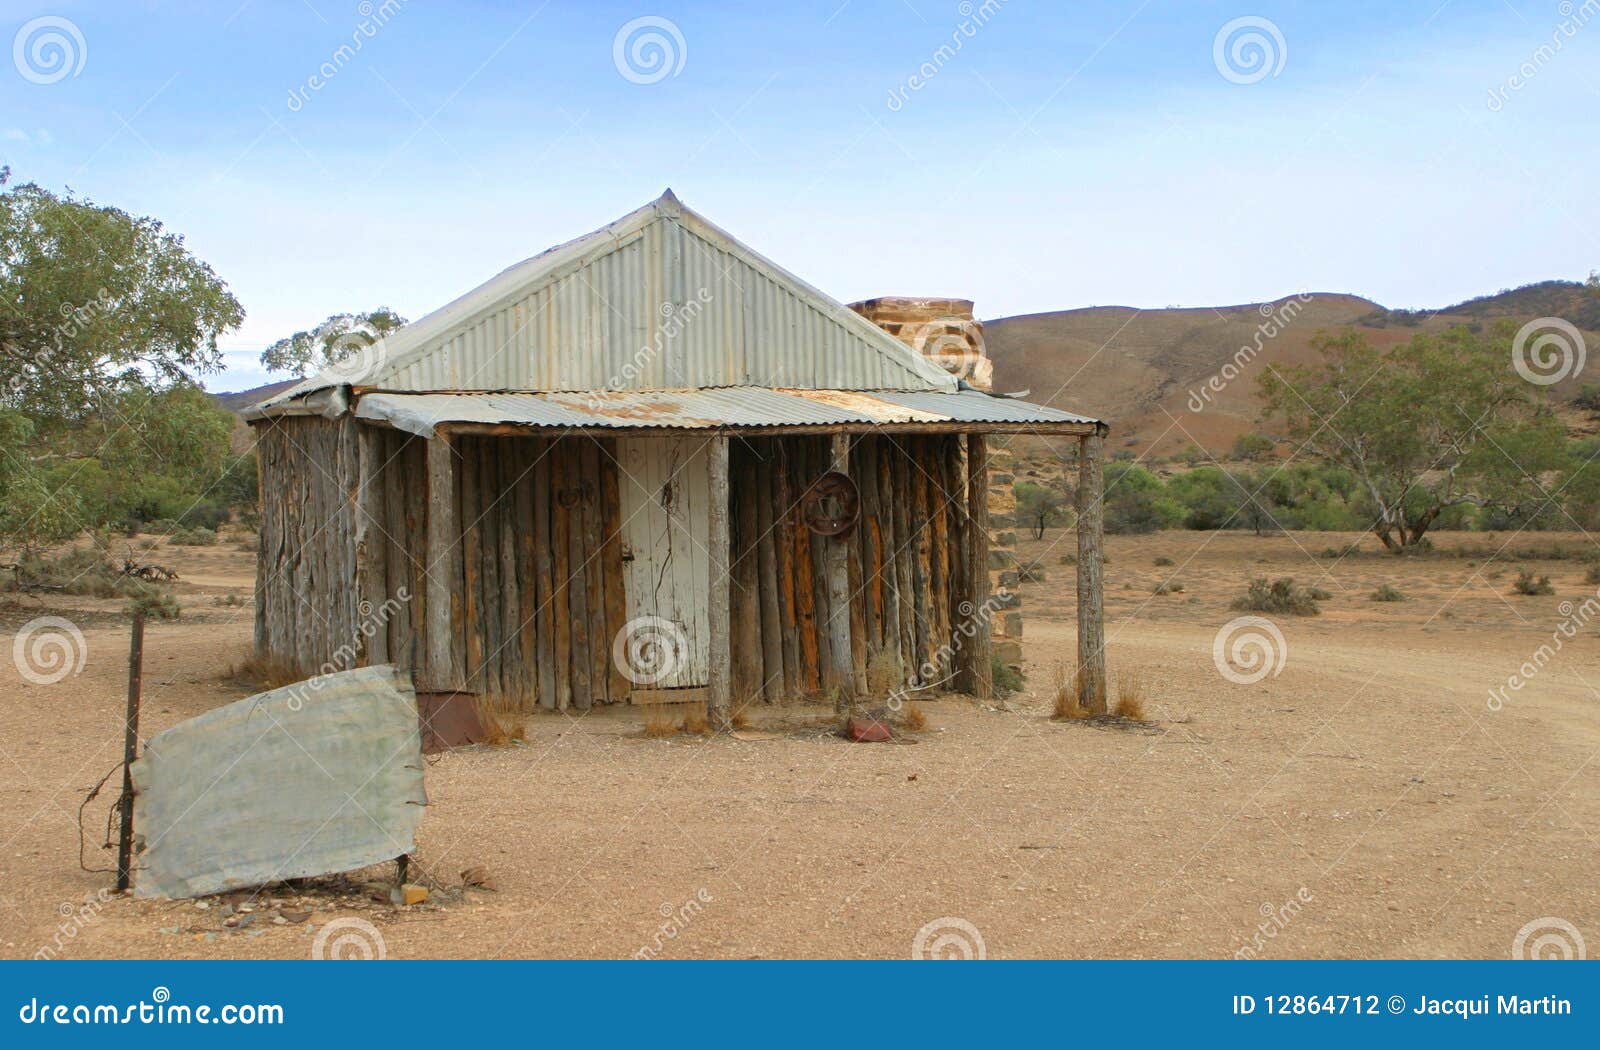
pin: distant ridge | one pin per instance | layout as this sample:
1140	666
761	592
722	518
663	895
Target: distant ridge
1140	369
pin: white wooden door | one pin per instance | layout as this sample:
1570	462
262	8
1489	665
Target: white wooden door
665	489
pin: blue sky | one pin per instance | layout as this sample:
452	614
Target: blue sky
1065	155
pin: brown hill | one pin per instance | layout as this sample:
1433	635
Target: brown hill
1166	379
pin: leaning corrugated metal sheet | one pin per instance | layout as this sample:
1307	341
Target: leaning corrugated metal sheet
701	409
318	777
660	299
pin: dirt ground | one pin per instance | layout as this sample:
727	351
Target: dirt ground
1366	801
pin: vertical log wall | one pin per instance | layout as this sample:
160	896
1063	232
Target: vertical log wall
539	581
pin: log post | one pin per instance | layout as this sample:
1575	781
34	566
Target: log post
443	566
979	646
1091	590
837	560
719	692
130	749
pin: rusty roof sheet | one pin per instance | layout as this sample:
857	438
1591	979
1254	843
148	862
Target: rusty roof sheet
730	407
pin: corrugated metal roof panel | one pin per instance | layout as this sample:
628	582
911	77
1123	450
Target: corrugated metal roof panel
700	409
661	299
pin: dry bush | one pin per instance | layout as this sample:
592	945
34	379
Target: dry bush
1130	696
78	570
1386	593
1526	584
1167	587
1278	596
1030	572
1163	561
1066	705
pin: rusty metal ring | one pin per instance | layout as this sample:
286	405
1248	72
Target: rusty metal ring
842	490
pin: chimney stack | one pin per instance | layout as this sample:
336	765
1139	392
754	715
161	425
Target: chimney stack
942	330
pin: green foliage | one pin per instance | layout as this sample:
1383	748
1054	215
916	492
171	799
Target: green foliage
1136	501
1253	446
97	299
196	537
1386	593
334	339
1434	424
1040	506
1279	596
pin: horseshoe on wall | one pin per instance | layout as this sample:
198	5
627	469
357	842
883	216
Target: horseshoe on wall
832	504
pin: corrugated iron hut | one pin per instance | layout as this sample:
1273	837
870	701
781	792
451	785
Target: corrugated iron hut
650	465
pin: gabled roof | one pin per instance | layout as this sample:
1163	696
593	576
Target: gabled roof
661	299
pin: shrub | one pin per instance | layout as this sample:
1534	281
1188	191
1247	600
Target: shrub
1030	572
1386	593
1278	596
1007	679
196	537
1163	561
1592	574
1168	587
1527	584
79	570
1318	594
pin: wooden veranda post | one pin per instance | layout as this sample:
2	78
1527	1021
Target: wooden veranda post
443	566
979	647
837	559
1091	590
719	691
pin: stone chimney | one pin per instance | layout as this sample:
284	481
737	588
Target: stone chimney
942	330
945	332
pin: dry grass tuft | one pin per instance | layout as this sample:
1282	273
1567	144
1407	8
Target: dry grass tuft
1130	696
1067	707
741	718
695	722
913	718
661	723
884	673
502	725
261	674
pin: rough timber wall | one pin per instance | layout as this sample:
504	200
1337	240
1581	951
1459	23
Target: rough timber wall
945	331
906	567
306	604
